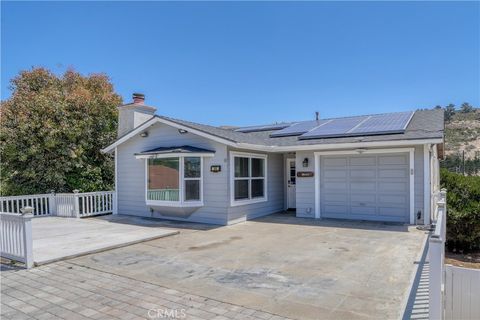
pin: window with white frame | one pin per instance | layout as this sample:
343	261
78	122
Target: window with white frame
248	178
174	180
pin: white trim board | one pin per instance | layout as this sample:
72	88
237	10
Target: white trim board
411	152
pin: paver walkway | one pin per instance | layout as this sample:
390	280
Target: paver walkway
67	291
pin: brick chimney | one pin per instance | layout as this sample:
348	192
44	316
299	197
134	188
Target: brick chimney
133	114
138	98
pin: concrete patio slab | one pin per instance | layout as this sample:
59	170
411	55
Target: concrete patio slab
291	267
56	238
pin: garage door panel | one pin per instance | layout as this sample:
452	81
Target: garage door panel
363	210
393	173
362	161
335	197
400	187
335	162
335	185
362	173
367	197
393	159
336	173
332	209
393	212
362	202
365	187
387	199
362	186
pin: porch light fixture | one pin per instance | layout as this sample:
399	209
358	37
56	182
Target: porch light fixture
181	131
144	134
305	162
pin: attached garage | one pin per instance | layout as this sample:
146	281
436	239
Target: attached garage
366	185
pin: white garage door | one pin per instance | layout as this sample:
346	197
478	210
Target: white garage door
365	187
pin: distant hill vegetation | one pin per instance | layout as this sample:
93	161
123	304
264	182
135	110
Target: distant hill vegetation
462	131
462	139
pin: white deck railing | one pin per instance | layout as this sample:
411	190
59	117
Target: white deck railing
16	237
62	204
94	203
41	203
436	256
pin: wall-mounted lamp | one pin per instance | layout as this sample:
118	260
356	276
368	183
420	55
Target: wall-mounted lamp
305	162
144	134
181	131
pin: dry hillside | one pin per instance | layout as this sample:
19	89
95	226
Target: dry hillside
462	132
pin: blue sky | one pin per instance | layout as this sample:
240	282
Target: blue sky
256	62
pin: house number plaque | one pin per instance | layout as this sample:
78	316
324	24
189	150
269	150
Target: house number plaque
304	174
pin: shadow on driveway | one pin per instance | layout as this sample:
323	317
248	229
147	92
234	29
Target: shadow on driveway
288	217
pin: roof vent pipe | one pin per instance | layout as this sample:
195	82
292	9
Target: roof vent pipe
317	115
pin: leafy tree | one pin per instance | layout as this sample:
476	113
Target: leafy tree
449	112
466	108
463	211
52	130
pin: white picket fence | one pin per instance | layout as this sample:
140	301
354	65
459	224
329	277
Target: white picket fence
16	237
436	257
454	292
462	293
75	204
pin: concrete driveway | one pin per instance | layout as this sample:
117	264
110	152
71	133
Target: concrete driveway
291	267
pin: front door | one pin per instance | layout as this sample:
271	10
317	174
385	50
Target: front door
291	184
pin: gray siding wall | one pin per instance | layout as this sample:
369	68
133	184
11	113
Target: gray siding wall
275	191
131	174
306	186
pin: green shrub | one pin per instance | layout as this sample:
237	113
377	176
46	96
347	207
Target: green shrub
463	211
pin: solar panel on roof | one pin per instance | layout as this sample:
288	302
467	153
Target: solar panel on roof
384	123
334	127
268	127
298	128
363	125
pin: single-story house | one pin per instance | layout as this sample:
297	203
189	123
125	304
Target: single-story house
381	167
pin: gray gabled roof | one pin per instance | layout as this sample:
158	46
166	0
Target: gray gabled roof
424	125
